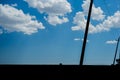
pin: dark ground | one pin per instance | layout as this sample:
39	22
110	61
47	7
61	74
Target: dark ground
62	71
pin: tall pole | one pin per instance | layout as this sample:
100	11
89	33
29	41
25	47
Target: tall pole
119	54
116	51
86	33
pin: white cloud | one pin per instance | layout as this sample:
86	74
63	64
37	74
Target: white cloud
80	22
111	42
54	20
77	39
97	14
87	40
12	19
55	9
110	22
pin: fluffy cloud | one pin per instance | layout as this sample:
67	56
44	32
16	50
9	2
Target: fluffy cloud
111	42
54	20
110	22
55	9
97	14
12	19
80	22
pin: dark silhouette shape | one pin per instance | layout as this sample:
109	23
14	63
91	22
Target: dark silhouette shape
86	33
118	60
60	63
116	51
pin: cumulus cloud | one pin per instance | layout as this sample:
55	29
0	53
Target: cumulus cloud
97	14
80	22
55	9
54	20
12	19
110	22
111	42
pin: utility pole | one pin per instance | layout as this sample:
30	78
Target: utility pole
116	51
86	33
118	60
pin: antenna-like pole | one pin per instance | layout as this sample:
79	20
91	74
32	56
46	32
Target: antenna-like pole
119	54
86	33
116	51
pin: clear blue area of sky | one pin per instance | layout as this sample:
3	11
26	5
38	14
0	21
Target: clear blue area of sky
56	45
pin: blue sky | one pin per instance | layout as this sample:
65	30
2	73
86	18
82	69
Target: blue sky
51	31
